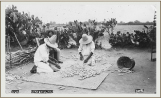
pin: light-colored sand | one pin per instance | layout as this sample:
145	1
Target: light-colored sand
144	76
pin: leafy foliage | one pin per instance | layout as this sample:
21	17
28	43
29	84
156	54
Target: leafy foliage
19	23
89	28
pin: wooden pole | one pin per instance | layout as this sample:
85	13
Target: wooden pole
18	41
9	51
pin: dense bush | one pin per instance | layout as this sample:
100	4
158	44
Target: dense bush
76	29
20	25
26	28
138	38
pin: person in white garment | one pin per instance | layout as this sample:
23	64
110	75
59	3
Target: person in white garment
42	58
86	50
104	40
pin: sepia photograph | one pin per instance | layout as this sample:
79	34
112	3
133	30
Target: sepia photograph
86	48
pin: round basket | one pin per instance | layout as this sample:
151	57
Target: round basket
125	62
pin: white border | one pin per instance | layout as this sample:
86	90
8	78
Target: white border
80	95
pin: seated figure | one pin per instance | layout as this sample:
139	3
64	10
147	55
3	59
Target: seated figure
46	57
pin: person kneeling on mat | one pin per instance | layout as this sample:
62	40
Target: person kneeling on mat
86	50
42	59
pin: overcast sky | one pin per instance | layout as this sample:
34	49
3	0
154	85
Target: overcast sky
63	12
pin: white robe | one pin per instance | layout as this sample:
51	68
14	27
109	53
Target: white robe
41	57
86	50
104	41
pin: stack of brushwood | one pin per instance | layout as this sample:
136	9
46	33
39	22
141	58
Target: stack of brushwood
20	57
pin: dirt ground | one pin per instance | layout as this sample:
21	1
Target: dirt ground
144	76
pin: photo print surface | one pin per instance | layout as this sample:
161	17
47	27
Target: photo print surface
104	48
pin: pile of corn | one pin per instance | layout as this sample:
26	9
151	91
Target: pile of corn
125	70
74	57
100	58
20	57
83	72
11	77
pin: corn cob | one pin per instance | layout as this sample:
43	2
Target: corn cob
82	72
